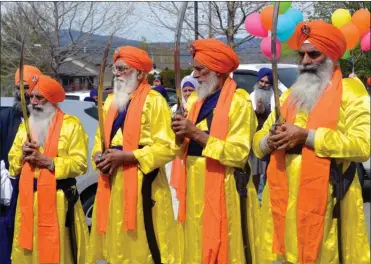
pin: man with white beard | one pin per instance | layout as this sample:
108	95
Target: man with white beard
10	119
216	139
132	218
262	99
326	130
44	232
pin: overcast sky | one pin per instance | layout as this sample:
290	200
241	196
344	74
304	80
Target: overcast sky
144	25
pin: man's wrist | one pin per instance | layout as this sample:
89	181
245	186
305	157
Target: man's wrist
51	166
310	138
200	137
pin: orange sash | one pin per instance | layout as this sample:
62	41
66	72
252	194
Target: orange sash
47	226
215	228
314	178
131	137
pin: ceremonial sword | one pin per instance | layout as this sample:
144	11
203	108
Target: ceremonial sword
279	119
100	94
22	92
178	34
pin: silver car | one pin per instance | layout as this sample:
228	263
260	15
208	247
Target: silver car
87	113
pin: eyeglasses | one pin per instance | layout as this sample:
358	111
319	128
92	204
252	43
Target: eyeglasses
37	97
312	54
119	69
264	82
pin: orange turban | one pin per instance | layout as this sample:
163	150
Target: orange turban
136	58
51	89
215	55
30	75
325	37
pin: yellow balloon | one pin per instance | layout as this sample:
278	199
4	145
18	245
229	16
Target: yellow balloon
341	17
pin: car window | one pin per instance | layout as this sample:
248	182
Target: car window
245	79
72	97
92	112
172	97
288	76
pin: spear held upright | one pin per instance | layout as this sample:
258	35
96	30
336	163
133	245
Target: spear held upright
279	118
100	94
22	94
178	34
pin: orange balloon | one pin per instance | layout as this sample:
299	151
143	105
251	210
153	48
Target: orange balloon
266	16
351	34
361	19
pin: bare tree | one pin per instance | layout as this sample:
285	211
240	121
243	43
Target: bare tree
56	31
227	18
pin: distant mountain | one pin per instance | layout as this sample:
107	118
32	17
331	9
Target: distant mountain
95	40
249	51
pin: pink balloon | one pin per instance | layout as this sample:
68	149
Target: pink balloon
254	26
365	42
265	47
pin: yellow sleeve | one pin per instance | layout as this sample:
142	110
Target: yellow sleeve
74	147
15	153
162	150
265	129
354	142
234	151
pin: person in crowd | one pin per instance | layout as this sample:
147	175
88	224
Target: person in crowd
133	216
50	223
326	130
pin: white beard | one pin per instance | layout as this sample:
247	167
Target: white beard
263	94
123	88
39	121
207	87
309	86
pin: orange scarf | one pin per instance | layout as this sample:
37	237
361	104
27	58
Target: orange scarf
314	178
47	226
131	137
215	228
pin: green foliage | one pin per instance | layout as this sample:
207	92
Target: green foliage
362	60
168	76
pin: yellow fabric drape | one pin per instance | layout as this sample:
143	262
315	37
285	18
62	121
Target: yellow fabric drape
121	247
350	142
71	162
232	153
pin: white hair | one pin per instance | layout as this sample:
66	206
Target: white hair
39	121
207	87
123	87
311	83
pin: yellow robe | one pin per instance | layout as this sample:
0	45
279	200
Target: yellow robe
232	153
71	162
350	142
118	246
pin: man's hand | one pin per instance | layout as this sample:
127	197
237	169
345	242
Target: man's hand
38	160
260	109
97	158
287	136
184	128
28	148
114	158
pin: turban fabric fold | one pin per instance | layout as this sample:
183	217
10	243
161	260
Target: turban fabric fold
265	72
30	75
134	57
51	89
215	55
324	36
189	81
